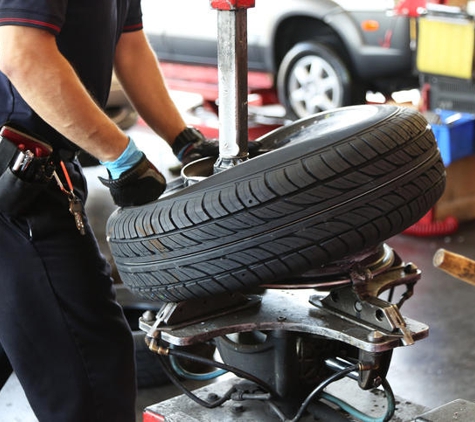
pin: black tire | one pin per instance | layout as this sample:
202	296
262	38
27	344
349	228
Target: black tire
150	372
312	78
149	369
5	367
344	181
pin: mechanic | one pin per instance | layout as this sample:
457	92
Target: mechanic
60	325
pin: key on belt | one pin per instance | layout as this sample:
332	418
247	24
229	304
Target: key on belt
76	209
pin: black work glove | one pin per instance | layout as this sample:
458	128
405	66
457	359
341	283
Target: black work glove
191	145
140	184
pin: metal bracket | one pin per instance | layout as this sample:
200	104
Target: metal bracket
382	315
291	311
401	274
197	311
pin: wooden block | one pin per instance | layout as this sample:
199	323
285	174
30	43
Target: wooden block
457	3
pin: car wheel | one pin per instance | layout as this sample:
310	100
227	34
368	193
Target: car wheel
342	181
312	78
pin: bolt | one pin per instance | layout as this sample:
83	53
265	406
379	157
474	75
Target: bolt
377	382
410	268
213	397
238	408
148	316
375	336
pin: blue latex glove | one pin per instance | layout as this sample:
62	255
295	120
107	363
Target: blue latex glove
126	161
133	179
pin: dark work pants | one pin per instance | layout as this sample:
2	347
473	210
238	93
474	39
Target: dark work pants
65	335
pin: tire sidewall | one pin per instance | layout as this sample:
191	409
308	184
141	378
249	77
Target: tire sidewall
324	194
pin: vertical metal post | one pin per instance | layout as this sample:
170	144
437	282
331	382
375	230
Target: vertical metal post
232	73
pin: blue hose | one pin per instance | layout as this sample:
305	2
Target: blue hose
182	372
391	407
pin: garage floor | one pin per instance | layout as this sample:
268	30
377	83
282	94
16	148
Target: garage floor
432	372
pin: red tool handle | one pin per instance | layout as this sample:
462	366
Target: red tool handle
232	4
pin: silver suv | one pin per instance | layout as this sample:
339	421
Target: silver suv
321	54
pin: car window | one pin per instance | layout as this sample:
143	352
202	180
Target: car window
362	5
182	19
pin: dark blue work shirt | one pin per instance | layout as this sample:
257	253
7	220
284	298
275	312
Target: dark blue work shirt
86	31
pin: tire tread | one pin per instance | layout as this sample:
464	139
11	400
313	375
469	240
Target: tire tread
295	216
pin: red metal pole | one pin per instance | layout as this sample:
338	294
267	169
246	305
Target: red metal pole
232	4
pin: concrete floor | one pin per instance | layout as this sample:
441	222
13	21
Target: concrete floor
441	367
432	372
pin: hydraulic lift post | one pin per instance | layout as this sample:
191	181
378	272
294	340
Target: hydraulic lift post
232	79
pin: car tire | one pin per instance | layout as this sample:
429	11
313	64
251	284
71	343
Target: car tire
340	183
5	367
312	78
149	369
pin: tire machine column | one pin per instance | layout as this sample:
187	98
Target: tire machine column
232	79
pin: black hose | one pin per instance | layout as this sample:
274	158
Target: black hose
174	379
209	405
240	373
317	391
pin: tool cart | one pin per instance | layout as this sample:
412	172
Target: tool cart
444	60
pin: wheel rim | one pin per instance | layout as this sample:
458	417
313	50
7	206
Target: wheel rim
314	86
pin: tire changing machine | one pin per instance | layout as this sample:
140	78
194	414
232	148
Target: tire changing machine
318	349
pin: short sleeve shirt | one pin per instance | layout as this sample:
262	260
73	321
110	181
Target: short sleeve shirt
87	32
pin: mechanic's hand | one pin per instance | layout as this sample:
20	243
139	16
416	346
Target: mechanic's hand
133	179
191	145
